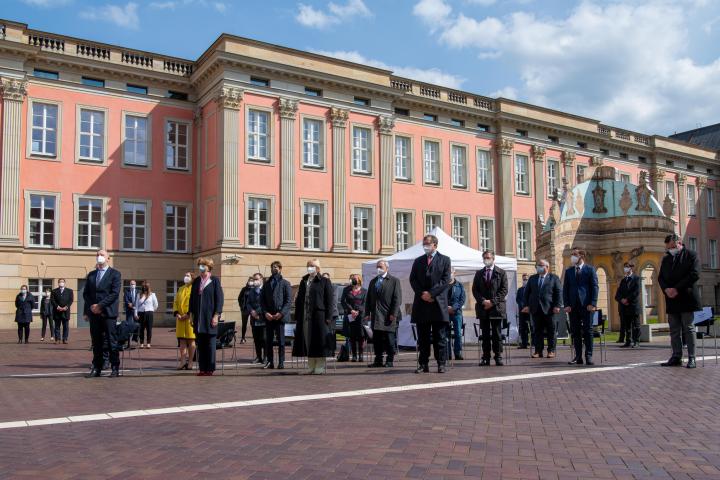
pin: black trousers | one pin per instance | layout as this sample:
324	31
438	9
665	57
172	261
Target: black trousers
623	328
206	345
491	328
146	326
273	330
525	329
383	343
47	319
544	328
23	331
435	333
244	319
64	322
632	327
103	331
258	333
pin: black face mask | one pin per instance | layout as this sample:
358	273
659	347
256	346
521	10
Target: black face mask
144	289
275	271
354	281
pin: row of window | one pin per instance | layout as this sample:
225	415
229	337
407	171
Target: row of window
691	198
92	137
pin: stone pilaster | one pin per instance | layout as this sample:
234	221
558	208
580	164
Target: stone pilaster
199	149
339	118
288	112
657	183
569	168
505	179
682	203
539	162
13	94
701	212
228	100
387	224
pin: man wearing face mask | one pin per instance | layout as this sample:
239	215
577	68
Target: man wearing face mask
102	298
253	307
276	300
543	300
580	294
62	299
628	298
430	281
678	277
490	287
129	300
382	307
524	329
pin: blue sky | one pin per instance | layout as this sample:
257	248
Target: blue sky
646	65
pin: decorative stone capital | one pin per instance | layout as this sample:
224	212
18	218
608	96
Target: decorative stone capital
288	108
568	157
385	124
506	146
681	179
229	97
656	174
198	117
13	89
339	117
701	183
538	153
596	161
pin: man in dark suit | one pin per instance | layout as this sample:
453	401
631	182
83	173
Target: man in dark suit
490	287
102	299
61	300
580	294
543	300
678	277
382	311
630	305
276	299
129	299
524	327
429	279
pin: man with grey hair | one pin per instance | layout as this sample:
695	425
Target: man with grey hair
543	299
382	310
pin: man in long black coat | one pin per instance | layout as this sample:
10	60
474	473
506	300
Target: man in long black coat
490	287
630	306
429	279
382	308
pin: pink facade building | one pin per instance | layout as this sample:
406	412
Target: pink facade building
255	152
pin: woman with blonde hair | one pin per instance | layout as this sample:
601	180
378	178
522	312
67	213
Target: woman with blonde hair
206	304
183	325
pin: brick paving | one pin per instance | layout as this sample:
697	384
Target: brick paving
645	422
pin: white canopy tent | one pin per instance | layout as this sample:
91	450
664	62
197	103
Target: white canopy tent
466	262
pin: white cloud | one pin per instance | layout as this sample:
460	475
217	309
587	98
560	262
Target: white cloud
163	5
429	75
221	7
482	3
312	17
122	16
433	12
47	3
627	64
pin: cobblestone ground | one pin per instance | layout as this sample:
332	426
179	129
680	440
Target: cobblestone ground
532	419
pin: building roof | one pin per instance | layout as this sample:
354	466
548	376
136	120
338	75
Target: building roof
708	137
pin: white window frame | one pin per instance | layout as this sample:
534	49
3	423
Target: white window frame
710	199
625	178
175	228
713	253
487	185
249	197
427	215
693	244
76	223
465	238
370	229
490	237
670	191
148	141
175	167
357	150
313	146
399	158
148	225
553	176
42	284
691	199
93	134
43	155
408	230
432	165
458	166
522	178
528	241
580	169
56	222
171	289
257	135
322	228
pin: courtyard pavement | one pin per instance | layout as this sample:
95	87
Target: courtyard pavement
532	419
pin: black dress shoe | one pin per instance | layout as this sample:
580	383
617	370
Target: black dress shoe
115	373
619	340
484	362
281	366
635	345
588	361
388	365
441	369
576	361
459	357
375	365
626	345
269	366
673	362
423	369
93	373
691	363
499	362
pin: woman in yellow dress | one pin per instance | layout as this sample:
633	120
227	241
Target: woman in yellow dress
183	324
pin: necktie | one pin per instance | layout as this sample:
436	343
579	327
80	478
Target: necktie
99	276
378	285
488	273
273	282
429	259
540	282
577	272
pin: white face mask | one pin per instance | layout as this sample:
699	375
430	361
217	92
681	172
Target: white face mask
428	249
132	287
574	259
257	283
47	294
380	272
62	284
100	259
673	251
626	270
202	268
23	291
488	262
187	279
311	271
540	269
